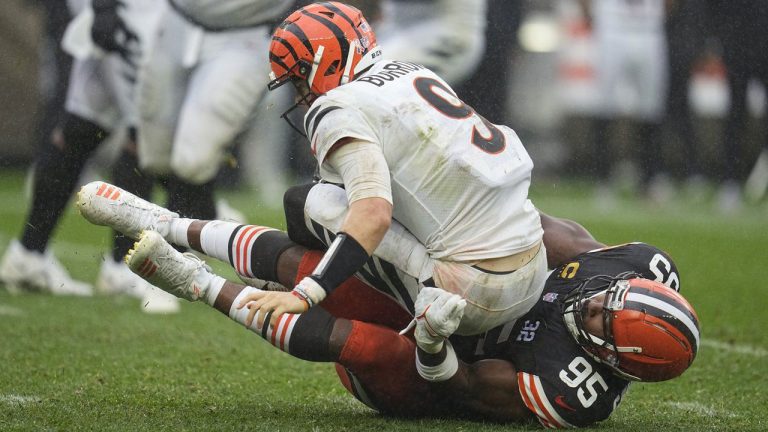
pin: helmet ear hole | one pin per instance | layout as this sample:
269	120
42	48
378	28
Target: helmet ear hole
332	68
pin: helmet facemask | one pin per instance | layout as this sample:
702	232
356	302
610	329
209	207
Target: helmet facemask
603	350
320	47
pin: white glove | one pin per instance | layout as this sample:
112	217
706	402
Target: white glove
438	314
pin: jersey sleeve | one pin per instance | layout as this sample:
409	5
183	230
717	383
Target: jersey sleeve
330	120
541	400
559	406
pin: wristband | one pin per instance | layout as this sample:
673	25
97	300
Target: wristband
301	297
442	371
310	291
343	259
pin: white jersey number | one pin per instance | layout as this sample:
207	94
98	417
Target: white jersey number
582	373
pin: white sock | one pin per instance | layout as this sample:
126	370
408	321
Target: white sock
177	231
241	314
214	239
215	283
278	335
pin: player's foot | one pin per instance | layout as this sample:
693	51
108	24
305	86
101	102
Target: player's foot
660	191
757	182
115	278
157	301
104	204
24	270
729	199
181	274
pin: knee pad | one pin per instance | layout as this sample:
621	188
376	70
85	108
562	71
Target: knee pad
293	205
196	168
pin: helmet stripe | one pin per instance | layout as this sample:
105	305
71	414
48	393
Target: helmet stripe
337	32
287	46
300	35
671	298
680	319
346	17
275	59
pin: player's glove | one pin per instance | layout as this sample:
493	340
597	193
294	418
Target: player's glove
110	32
438	314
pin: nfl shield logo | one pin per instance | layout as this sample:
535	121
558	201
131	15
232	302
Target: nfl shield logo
549	297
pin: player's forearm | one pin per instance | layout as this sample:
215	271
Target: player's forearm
367	222
486	389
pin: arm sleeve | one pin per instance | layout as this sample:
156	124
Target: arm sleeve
363	170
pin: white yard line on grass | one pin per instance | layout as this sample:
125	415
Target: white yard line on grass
735	348
12	399
700	409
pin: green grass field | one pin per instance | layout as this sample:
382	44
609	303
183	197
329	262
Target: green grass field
101	364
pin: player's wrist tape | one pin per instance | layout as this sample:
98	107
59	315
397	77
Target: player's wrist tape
310	291
441	371
302	297
343	259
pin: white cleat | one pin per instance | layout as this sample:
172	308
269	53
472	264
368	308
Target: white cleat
156	261
24	270
157	301
115	278
104	204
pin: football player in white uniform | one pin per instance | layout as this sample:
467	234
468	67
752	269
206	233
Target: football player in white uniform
446	36
107	39
198	91
405	147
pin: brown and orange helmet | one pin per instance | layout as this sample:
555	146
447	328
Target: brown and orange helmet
651	331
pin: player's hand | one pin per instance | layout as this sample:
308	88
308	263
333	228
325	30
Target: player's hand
438	314
110	32
270	301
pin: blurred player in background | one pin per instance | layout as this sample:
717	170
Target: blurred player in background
607	316
107	39
740	27
198	91
446	36
631	72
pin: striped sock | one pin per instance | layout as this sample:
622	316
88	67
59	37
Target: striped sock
215	238
278	335
240	250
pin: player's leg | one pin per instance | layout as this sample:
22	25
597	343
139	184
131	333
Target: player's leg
26	265
89	116
223	92
379	362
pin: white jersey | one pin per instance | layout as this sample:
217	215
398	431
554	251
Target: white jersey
459	183
229	14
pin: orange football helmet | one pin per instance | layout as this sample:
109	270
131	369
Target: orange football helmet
325	44
651	331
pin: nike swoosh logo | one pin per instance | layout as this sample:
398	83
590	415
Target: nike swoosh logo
560	400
